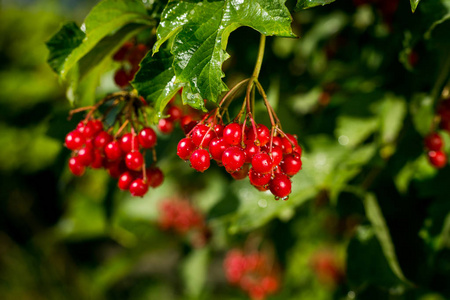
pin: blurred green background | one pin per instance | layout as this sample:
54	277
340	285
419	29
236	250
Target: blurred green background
347	88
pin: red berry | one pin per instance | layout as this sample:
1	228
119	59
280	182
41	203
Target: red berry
125	180
74	140
433	141
138	188
113	150
200	160
218	129
129	142
216	147
242	173
122	52
262	132
115	168
233	158
232	134
97	125
270	284
134	160
86	156
187	123
276	154
262	163
97	162
165	126
291	165
76	167
277	142
437	158
258	179
155	177
280	186
147	138
185	148
250	150
88	130
102	139
202	135
175	113
121	78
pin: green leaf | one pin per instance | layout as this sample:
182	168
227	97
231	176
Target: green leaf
194	271
381	230
62	44
392	113
155	80
366	264
108	17
422	112
304	4
414	4
201	29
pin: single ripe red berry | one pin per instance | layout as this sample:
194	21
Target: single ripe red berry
263	134
129	142
233	158
113	150
138	188
262	163
147	138
97	125
125	180
200	160
202	135
121	78
280	186
74	140
88	129
291	164
134	160
277	142
232	134
102	139
175	113
155	177
276	154
122	52
185	148
270	283
218	129
165	126
258	179
433	141
86	156
437	158
216	147
76	167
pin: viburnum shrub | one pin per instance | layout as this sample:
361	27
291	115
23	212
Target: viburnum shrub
121	147
254	272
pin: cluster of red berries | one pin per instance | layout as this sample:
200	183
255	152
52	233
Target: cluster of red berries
252	272
327	268
273	159
129	55
434	145
94	147
182	217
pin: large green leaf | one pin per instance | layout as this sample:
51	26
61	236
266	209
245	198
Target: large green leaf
201	29
155	80
303	4
109	17
62	44
374	214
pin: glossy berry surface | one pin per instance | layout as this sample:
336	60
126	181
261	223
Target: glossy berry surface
125	181
258	179
138	188
216	147
113	150
74	140
76	167
129	142
165	126
233	158
291	165
280	186
202	135
433	141
262	163
185	148
200	160
102	139
147	138
134	160
232	134
437	158
155	177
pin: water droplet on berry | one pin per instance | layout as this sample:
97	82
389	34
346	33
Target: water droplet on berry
277	198
285	198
